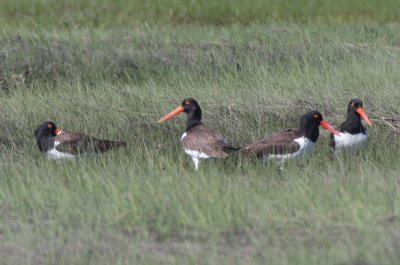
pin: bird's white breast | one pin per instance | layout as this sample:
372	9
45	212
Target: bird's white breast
183	135
348	141
55	154
196	154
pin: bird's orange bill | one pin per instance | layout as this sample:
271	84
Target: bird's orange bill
364	116
58	131
327	127
171	114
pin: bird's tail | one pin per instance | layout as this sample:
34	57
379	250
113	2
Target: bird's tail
105	145
230	150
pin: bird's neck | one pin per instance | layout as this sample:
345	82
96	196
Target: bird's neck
45	142
310	132
352	123
193	118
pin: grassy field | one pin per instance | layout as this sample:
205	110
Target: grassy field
130	13
145	204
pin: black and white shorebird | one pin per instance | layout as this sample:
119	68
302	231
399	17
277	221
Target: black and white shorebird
199	141
353	135
290	143
58	144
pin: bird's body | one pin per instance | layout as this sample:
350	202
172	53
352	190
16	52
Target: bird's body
353	135
57	144
288	144
350	142
198	141
54	153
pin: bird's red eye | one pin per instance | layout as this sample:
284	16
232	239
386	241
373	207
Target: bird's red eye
187	102
316	116
50	126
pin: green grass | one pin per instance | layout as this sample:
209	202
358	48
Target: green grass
145	204
122	13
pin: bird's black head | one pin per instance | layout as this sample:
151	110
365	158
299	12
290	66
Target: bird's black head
191	108
47	128
44	135
193	111
190	104
354	105
311	118
309	123
355	112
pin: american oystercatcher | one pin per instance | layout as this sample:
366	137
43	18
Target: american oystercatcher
199	141
57	144
353	134
290	143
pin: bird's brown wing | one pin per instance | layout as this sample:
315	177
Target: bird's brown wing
78	143
212	143
277	143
